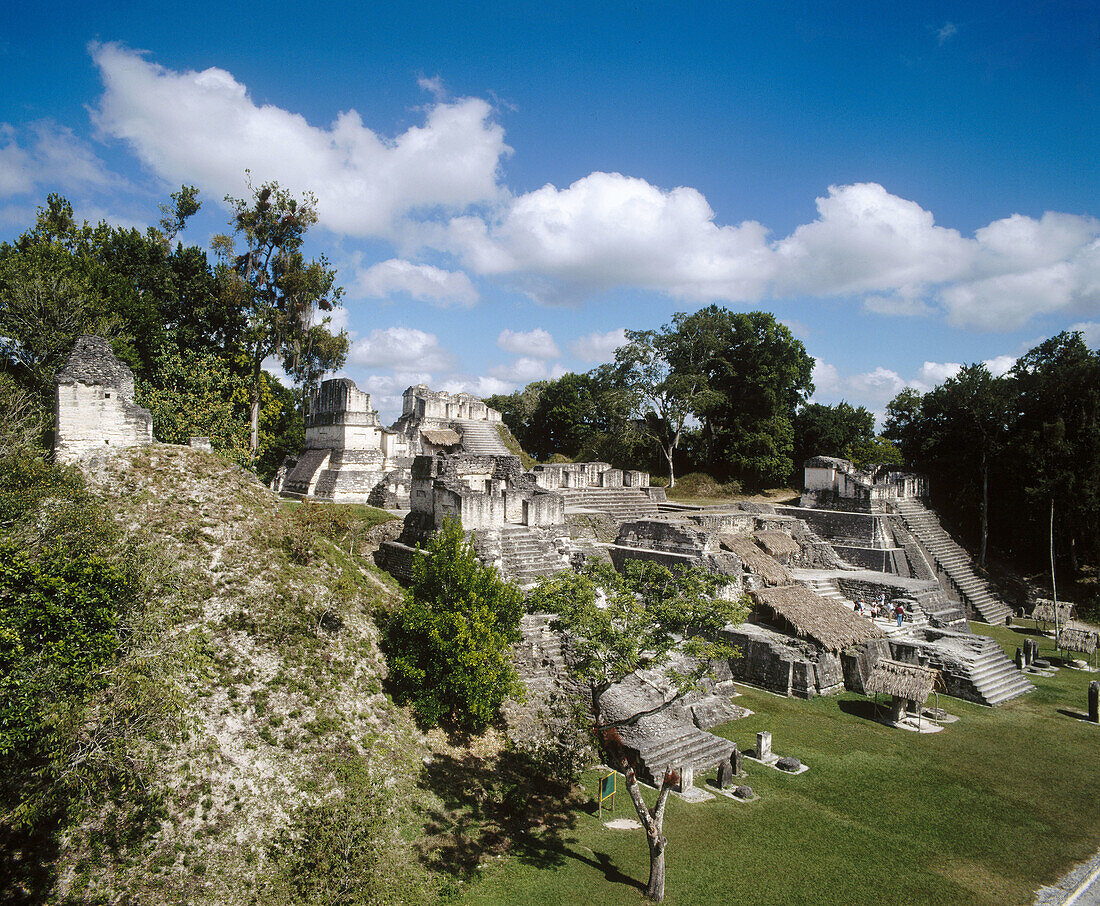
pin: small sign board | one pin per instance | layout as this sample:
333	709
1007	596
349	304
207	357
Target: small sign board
607	790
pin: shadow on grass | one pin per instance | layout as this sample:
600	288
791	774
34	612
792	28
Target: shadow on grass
1076	715
500	805
863	707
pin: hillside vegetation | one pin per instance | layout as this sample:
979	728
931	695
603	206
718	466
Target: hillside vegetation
245	749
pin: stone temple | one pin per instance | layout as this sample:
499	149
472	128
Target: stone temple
350	457
96	412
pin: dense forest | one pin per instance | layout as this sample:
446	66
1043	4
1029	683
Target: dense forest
195	332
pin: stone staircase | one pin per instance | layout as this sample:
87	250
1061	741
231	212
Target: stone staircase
480	437
623	504
976	668
954	561
826	587
665	743
526	556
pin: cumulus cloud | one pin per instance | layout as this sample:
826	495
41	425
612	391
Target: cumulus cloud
480	387
609	230
437	185
1090	332
598	347
524	370
402	349
204	128
537	343
421	281
45	153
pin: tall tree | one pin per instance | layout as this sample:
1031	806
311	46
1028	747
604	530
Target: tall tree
279	291
617	623
903	424
821	430
965	420
756	374
661	398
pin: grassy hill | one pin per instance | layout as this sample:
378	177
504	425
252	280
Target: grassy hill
263	761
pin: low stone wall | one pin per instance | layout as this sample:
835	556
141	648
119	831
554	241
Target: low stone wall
835	525
396	559
782	664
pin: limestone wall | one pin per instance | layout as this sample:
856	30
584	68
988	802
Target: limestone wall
96	412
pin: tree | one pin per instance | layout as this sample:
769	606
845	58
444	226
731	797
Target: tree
617	623
278	291
755	374
965	424
563	417
903	424
449	647
660	398
821	430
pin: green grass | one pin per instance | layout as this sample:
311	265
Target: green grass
984	812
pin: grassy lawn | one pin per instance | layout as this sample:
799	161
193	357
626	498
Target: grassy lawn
354	513
997	804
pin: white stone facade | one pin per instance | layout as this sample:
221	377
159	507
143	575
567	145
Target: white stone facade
96	412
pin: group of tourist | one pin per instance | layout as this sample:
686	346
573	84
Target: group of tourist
880	608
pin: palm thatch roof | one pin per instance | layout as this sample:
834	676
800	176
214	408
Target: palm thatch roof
831	625
441	437
1076	637
755	560
1044	611
907	681
777	544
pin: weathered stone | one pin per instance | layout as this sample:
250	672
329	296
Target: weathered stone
725	775
96	412
1020	659
735	762
763	745
744	792
1094	702
789	763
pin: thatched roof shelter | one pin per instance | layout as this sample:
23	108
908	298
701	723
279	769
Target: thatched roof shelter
441	437
1044	611
908	681
1076	637
755	560
777	544
832	626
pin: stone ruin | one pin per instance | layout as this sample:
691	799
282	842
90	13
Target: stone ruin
96	412
350	457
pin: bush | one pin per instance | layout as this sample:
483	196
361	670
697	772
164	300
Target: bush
699	484
449	647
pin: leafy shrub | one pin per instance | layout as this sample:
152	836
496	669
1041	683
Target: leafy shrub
699	484
347	849
449	646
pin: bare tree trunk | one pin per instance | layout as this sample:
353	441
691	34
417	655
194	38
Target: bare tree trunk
653	824
254	436
671	472
985	509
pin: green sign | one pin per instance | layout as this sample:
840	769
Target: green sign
607	787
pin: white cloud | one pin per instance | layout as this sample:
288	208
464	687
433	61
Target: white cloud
866	240
524	370
932	373
400	348
480	387
565	245
1000	365
421	281
598	347
946	32
826	378
1090	332
45	153
537	343
609	230
203	128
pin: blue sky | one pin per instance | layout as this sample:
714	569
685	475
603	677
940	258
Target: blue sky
505	187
